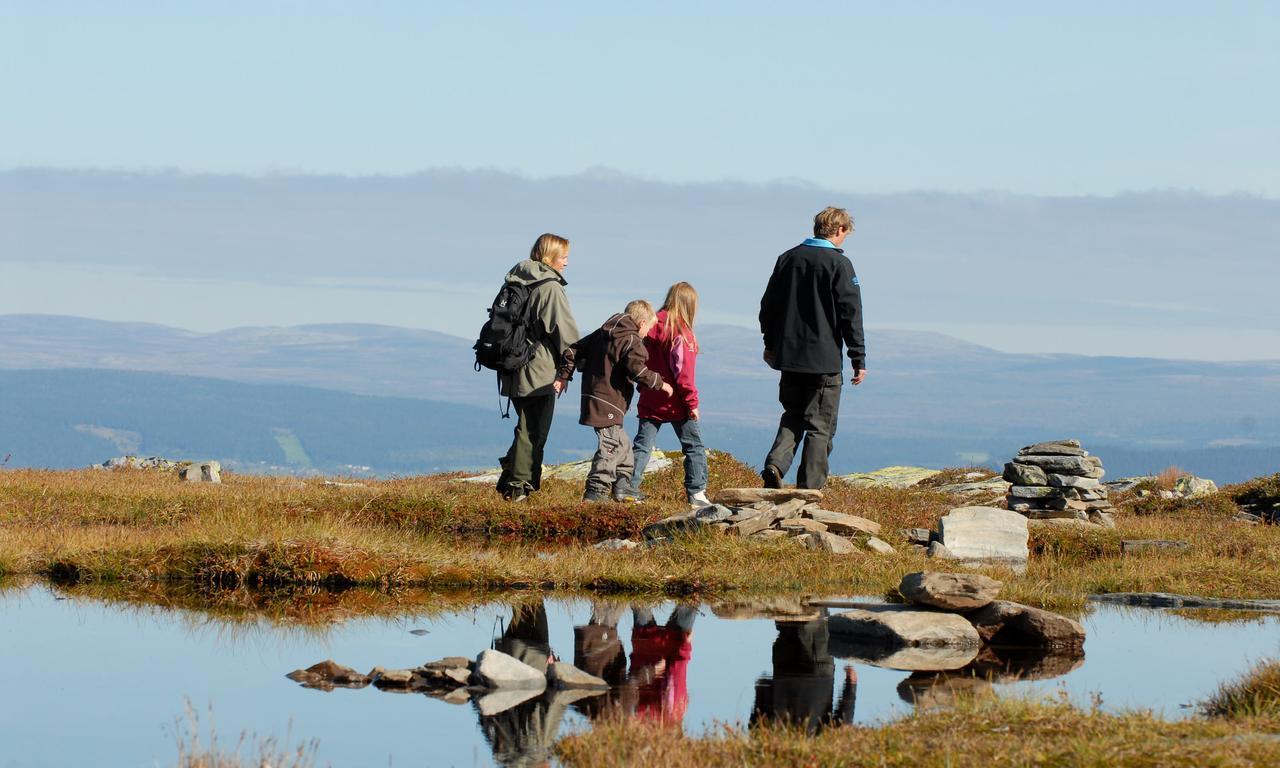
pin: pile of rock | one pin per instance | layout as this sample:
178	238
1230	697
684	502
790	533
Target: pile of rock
191	471
495	680
765	513
949	619
1058	480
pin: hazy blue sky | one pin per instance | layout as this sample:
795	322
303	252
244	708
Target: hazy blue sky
1066	98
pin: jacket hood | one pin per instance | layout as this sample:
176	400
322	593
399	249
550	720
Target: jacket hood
531	271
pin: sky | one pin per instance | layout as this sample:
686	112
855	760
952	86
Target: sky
1086	98
1002	105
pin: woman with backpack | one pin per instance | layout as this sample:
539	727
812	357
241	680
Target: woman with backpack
532	387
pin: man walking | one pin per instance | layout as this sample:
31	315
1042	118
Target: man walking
811	307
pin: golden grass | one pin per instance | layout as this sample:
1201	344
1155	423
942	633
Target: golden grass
978	731
95	526
1255	694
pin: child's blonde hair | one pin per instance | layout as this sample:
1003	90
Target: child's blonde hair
639	310
681	306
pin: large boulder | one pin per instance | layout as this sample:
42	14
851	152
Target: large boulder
495	669
1013	625
949	591
904	626
985	533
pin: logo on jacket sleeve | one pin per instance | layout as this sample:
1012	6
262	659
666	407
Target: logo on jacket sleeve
855	280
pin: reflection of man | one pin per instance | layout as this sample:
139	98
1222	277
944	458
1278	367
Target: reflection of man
811	305
800	690
522	734
660	662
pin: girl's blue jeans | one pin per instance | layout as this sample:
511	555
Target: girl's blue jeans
695	454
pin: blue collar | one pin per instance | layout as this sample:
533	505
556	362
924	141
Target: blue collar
818	242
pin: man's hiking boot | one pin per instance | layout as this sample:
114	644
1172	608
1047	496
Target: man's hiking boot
515	494
771	477
593	496
623	492
698	500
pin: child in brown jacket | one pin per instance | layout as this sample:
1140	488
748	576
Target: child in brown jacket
612	360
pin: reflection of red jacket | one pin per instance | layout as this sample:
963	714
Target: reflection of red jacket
665	698
675	359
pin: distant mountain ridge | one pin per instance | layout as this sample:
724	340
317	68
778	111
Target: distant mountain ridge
929	399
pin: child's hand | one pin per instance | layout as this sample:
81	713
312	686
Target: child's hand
694	414
559	386
667	390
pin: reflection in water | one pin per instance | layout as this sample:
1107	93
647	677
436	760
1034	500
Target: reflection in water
520	726
993	665
800	691
660	657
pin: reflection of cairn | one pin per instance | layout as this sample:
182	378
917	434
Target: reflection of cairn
1058	479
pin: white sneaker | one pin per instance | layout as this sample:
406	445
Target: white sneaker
699	500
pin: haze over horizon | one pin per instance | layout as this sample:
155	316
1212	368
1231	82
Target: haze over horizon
674	141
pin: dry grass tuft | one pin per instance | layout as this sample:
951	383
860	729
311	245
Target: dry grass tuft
978	731
1256	694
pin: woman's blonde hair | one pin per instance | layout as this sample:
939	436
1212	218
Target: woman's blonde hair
548	247
681	306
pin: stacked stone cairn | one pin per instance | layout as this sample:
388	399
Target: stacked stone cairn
1058	480
764	513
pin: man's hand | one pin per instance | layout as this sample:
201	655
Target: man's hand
667	390
858	375
694	414
769	358
559	385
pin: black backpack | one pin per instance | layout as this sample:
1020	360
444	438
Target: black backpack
506	342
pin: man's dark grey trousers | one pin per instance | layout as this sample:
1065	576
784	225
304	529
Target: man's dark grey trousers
810	405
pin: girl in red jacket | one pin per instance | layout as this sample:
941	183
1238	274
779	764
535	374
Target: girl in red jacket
673	354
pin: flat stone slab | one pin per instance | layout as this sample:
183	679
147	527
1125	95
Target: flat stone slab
1013	625
771	608
889	477
574	470
328	675
879	546
1168	600
949	591
562	674
1055	448
495	669
736	497
842	524
499	701
1063	465
904	626
979	533
910	659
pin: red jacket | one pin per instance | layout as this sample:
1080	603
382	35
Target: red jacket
676	360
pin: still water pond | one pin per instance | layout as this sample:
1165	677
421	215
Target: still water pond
88	682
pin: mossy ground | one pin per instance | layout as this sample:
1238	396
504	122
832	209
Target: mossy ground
434	532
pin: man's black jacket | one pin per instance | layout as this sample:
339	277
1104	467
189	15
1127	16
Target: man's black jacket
811	305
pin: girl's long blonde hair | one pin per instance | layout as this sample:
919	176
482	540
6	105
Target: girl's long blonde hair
681	306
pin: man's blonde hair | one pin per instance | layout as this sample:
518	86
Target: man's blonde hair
639	310
548	247
830	220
